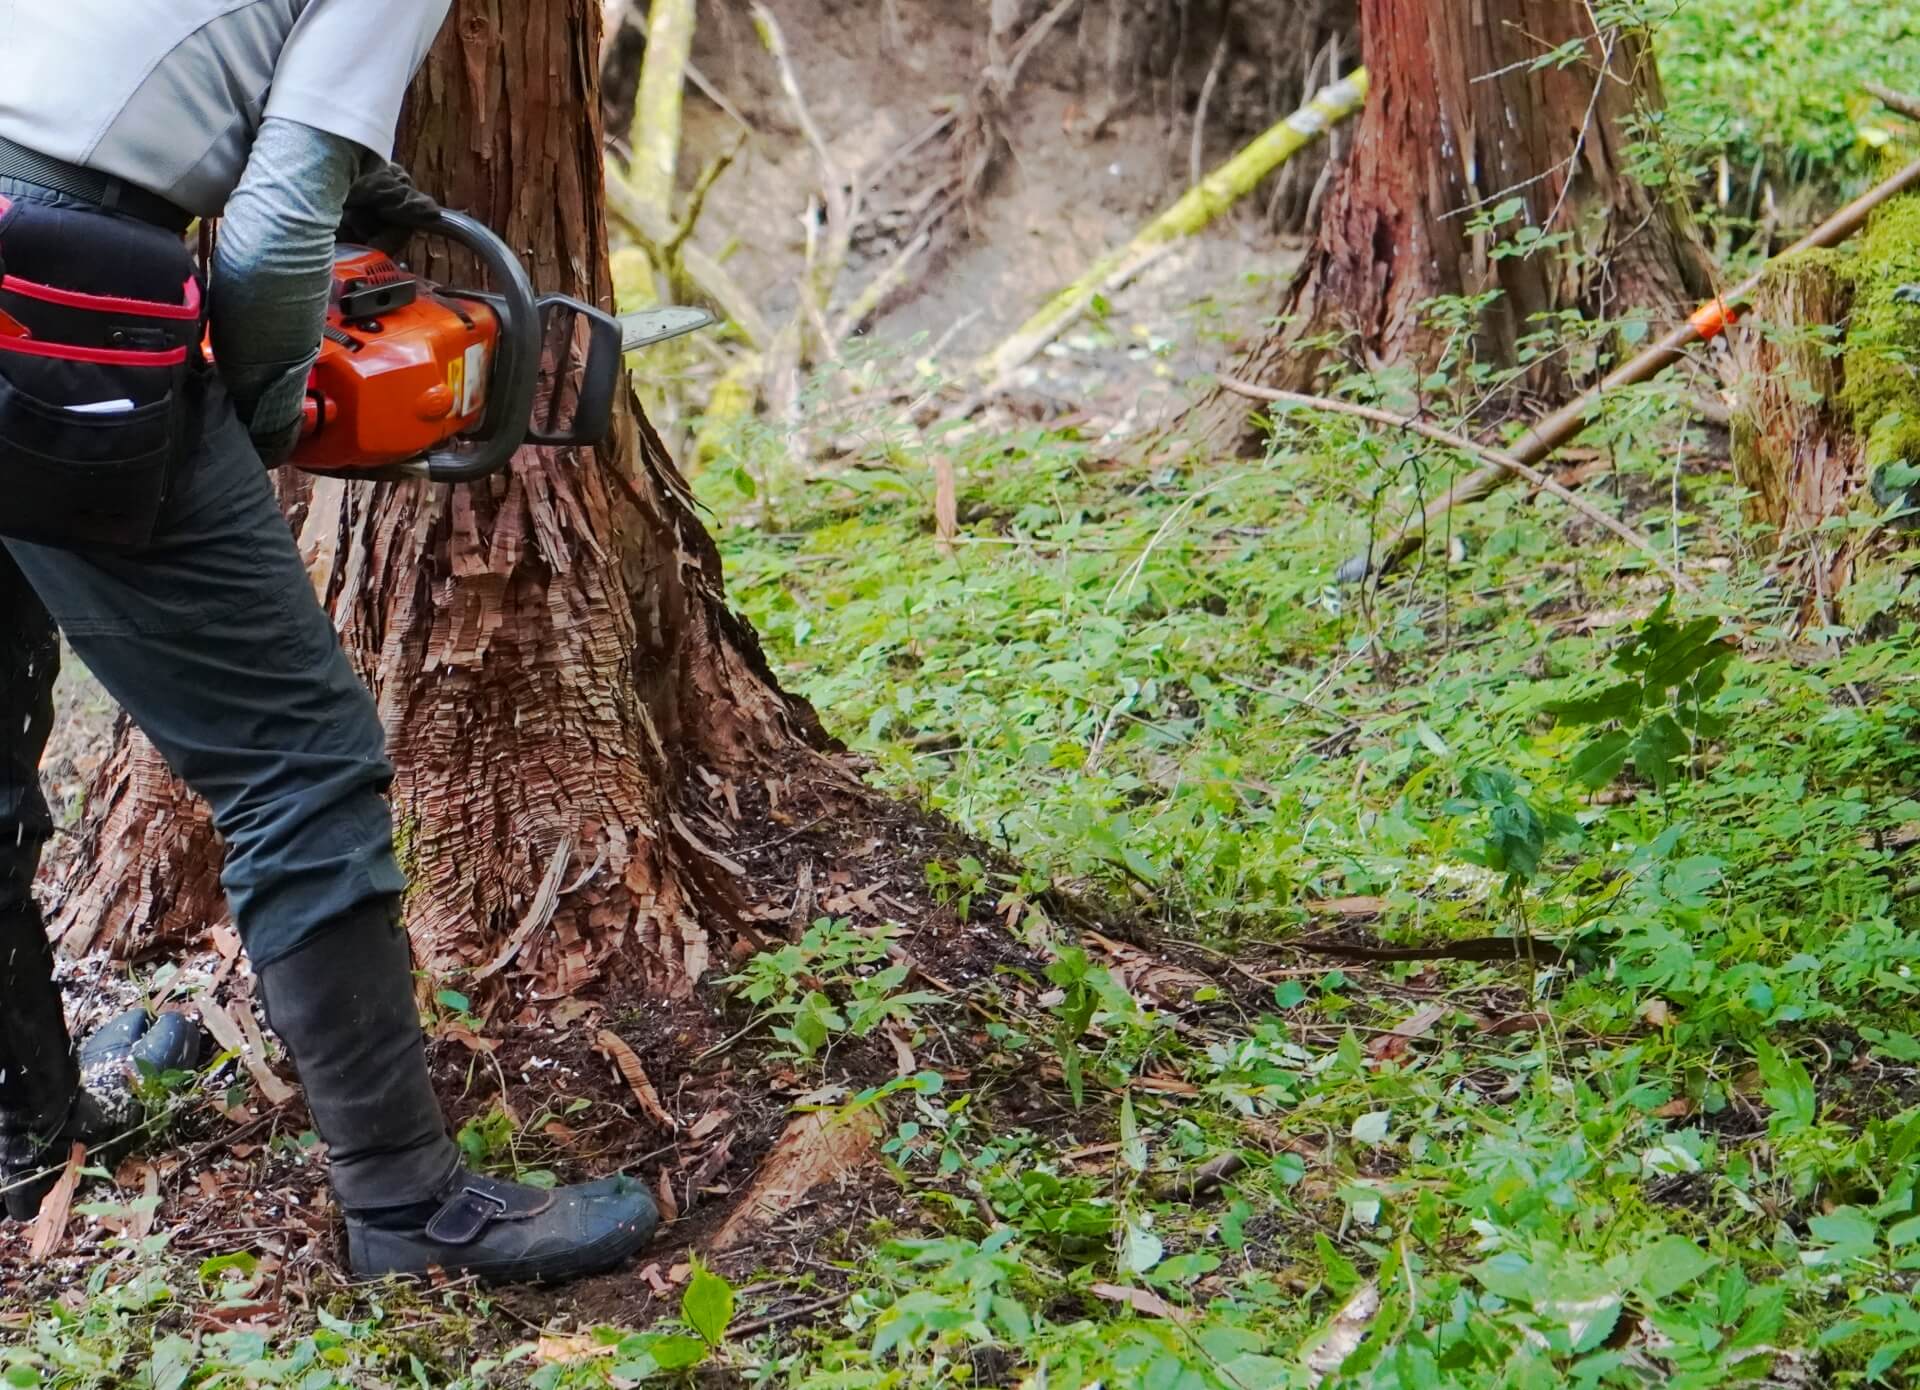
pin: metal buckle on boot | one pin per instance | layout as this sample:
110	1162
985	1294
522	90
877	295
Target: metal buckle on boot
466	1214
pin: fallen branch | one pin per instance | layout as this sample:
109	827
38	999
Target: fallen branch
1545	439
1502	463
1471	948
1194	211
1908	106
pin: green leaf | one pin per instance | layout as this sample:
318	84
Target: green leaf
1133	1147
455	1000
1342	1274
1670	1264
1371	1128
707	1305
678	1353
239	1262
1658	749
1621	702
1600	761
1903	1232
1141	1249
1848	1232
1786	1087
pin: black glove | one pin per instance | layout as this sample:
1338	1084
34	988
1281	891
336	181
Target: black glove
275	447
384	209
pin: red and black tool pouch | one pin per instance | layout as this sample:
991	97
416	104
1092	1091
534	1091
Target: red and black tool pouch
102	377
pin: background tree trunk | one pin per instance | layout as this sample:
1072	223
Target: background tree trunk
1460	79
563	688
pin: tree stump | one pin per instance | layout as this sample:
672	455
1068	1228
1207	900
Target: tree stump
1828	425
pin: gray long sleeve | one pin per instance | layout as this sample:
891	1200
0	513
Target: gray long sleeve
273	269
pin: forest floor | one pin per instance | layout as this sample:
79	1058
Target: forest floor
1188	1062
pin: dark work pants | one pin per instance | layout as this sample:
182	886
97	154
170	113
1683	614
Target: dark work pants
213	642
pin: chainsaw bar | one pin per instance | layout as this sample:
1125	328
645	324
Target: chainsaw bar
650	326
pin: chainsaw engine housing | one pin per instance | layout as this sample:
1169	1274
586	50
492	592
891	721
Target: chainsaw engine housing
405	367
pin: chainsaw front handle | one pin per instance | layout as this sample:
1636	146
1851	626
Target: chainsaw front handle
516	365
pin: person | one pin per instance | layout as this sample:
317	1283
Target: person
137	518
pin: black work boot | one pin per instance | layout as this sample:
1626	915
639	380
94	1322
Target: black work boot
343	1004
50	1098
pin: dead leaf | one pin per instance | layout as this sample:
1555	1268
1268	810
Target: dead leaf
1342	1337
903	1059
817	1147
1143	1301
465	1036
1677	1109
656	1281
1515	1023
50	1228
610	1044
1656	1013
1397	1042
1148	977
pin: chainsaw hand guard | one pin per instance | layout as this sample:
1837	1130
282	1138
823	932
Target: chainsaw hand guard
516	366
560	323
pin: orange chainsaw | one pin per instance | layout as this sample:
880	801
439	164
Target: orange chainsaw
416	380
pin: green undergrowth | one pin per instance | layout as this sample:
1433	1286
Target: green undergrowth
1692	1157
1675	1144
1774	87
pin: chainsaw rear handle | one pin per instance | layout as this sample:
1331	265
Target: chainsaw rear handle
516	365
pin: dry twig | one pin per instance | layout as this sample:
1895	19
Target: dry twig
1474	448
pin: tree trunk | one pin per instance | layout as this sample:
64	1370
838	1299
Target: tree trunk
1460	121
563	687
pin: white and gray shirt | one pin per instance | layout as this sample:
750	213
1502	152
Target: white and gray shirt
263	111
170	94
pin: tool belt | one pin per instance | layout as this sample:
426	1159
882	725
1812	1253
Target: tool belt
102	377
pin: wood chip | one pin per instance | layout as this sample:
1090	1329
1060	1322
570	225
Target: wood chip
539	913
819	1147
663	1195
1143	1301
611	1045
225	1026
1342	1337
566	1350
50	1227
1348	907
